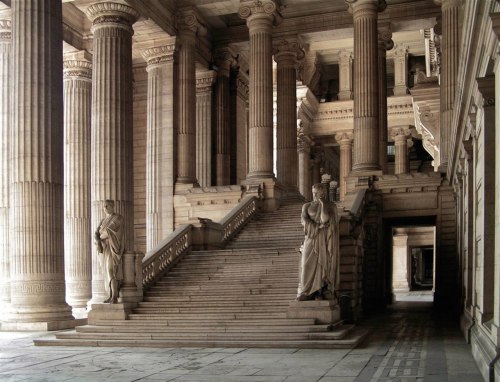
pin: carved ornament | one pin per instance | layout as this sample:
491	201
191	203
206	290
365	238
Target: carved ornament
159	54
112	13
260	8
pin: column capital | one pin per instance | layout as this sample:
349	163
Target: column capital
112	13
288	51
362	6
224	58
5	29
188	20
205	80
486	86
303	146
268	9
159	54
445	4
495	23
78	65
345	56
344	138
385	36
400	133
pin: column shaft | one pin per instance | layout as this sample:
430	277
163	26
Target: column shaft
401	154
304	168
78	235
5	131
111	159
401	72
384	43
160	144
36	158
345	141
345	75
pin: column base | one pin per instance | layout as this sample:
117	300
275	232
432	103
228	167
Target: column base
182	188
110	312
323	311
268	189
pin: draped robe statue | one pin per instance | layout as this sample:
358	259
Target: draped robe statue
319	266
109	238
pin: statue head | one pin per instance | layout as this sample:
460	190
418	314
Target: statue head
109	206
318	192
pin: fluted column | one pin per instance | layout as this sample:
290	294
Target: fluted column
345	75
286	54
385	43
400	72
400	136
5	129
241	127
304	151
366	85
260	16
450	49
36	159
345	142
223	58
160	143
77	229
204	90
188	26
111	159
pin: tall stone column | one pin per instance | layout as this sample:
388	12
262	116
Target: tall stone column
366	86
304	151
286	54
78	234
188	26
345	142
400	263
160	143
450	49
5	130
385	43
223	58
260	16
401	72
36	164
111	158
400	136
204	87
241	127
345	75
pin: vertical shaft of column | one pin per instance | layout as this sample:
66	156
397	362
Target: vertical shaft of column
401	151
111	133
384	43
223	60
345	142
78	235
304	167
186	135
5	129
366	93
345	75
241	127
36	158
286	54
260	16
401	72
450	44
160	143
204	87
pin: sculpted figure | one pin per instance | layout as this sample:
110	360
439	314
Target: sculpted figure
319	266
109	239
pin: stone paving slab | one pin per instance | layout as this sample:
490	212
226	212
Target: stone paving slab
407	344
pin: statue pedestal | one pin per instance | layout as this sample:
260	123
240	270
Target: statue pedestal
323	311
109	312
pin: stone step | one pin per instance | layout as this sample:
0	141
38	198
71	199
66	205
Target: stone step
208	304
195	298
209	316
210	310
234	294
202	322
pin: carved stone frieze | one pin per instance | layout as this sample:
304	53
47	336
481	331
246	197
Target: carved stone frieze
159	54
205	80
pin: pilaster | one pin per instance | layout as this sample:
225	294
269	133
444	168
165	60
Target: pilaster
385	43
77	217
401	71
345	75
400	136
345	142
400	263
111	132
160	146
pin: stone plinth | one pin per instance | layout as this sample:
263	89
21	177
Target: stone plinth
109	312
323	311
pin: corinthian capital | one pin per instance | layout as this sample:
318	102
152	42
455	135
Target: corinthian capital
78	65
261	8
288	48
114	13
160	54
366	5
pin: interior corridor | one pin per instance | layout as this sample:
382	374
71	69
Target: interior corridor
408	343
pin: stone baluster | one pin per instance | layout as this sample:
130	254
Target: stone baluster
400	136
450	49
223	59
160	143
111	158
204	89
188	26
36	168
77	231
385	43
345	142
5	130
260	16
345	75
286	54
366	92
401	72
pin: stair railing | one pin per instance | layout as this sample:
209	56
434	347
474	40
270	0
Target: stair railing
165	255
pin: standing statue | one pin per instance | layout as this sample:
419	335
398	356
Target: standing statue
109	239
319	266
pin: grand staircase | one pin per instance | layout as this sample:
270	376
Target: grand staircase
236	297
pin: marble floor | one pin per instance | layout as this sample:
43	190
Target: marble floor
408	343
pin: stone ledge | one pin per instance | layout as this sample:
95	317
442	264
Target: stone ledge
323	311
45	326
109	312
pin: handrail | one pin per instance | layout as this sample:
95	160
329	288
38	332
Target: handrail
158	260
238	217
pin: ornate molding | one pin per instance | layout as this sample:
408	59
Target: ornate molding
205	80
385	36
268	8
365	6
288	49
78	65
159	54
189	20
344	138
5	30
109	12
